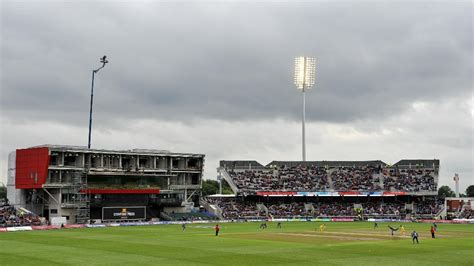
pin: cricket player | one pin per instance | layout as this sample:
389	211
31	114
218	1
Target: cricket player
217	228
414	236
322	228
402	230
392	229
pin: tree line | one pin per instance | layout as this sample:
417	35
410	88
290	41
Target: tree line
446	191
211	187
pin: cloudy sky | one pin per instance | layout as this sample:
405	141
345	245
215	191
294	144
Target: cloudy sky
394	79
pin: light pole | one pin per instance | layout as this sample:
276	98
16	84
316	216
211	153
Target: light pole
104	61
305	72
456	183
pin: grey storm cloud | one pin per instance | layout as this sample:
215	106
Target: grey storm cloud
394	79
232	61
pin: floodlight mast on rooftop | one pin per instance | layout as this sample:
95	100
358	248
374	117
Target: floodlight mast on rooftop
104	61
305	72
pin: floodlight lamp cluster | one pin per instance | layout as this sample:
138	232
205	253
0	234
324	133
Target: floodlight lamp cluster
104	61
305	72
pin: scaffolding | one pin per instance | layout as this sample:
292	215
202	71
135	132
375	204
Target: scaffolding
81	197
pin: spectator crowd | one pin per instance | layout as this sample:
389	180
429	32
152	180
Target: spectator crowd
467	214
410	180
429	207
11	216
233	208
282	179
356	178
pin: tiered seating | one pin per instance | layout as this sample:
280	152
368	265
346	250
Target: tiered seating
283	179
287	210
429	207
10	216
467	214
285	186
410	180
191	216
355	178
232	209
335	209
304	178
255	180
377	209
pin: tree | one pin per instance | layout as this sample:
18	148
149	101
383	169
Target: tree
226	188
3	192
445	191
470	191
209	187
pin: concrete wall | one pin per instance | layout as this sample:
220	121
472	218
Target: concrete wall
13	195
53	205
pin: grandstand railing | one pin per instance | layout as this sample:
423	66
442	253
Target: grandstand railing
212	208
229	180
165	216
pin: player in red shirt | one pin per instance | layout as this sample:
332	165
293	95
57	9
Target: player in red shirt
433	230
217	228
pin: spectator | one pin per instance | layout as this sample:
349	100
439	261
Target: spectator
10	216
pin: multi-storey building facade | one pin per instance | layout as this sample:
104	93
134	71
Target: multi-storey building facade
95	184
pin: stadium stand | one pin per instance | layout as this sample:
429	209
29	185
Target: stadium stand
467	214
190	216
11	216
295	209
429	207
406	176
285	178
459	208
252	208
233	209
410	180
356	178
357	189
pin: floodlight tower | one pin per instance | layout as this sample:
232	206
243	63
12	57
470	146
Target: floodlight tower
305	72
104	61
456	183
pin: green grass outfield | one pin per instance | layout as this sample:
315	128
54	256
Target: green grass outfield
298	243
